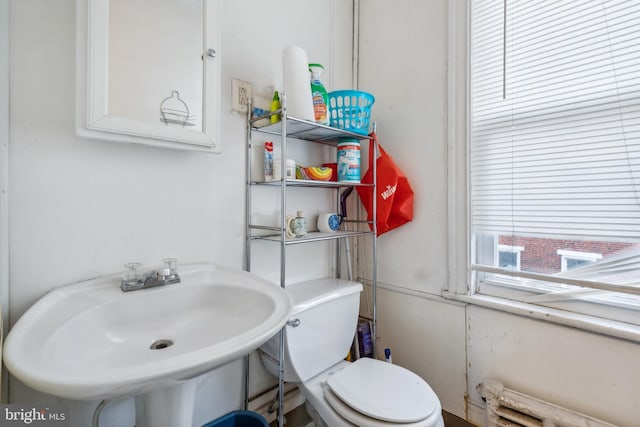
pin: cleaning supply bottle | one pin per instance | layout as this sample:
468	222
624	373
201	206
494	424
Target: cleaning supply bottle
319	95
275	106
300	224
268	161
387	355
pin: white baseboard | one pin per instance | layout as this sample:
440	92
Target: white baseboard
476	414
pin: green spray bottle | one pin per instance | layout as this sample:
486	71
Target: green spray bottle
319	95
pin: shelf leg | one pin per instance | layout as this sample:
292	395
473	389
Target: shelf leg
281	381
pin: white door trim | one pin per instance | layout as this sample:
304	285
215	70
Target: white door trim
4	174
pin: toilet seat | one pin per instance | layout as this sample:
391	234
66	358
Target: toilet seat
375	393
359	419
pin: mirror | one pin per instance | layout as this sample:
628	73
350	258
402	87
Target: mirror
148	72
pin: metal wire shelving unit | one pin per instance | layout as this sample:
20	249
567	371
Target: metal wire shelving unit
291	129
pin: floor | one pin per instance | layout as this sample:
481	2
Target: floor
299	418
451	420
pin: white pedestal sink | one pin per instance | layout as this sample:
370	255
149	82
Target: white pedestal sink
91	341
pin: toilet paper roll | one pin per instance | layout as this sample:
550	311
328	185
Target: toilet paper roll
296	83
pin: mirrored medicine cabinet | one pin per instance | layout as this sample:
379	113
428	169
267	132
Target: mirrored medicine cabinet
148	72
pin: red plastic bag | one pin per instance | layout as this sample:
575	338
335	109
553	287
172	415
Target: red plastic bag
394	192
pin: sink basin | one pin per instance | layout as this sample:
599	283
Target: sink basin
90	340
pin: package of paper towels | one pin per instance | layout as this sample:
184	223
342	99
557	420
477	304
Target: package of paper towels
296	84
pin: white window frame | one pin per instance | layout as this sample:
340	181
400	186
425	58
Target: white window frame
582	256
461	283
511	249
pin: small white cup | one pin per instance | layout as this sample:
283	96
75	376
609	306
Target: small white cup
290	172
328	222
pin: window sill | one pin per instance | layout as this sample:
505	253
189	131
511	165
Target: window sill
611	328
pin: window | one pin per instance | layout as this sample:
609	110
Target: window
572	259
554	154
509	257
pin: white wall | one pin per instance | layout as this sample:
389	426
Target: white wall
403	59
404	63
580	370
82	208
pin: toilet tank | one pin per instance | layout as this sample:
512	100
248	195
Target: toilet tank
327	311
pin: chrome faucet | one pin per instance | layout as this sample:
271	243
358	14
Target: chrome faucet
134	279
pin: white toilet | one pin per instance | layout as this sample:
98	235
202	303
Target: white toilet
367	392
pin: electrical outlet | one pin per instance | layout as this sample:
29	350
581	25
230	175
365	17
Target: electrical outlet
240	94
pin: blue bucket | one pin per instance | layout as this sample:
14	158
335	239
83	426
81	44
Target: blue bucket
239	419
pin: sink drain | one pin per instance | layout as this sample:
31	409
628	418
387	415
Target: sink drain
160	344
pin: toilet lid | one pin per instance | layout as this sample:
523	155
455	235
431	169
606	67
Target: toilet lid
360	419
384	391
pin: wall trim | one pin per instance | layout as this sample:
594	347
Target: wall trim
412	292
606	327
355	65
4	176
457	119
476	413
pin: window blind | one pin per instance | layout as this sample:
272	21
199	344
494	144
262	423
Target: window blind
555	118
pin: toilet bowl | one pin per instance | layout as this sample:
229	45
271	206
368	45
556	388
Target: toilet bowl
366	392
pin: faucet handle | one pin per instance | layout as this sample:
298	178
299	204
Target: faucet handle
132	272
169	267
132	277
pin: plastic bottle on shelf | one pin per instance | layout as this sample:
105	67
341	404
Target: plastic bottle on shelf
319	95
290	171
300	224
348	161
275	106
268	161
